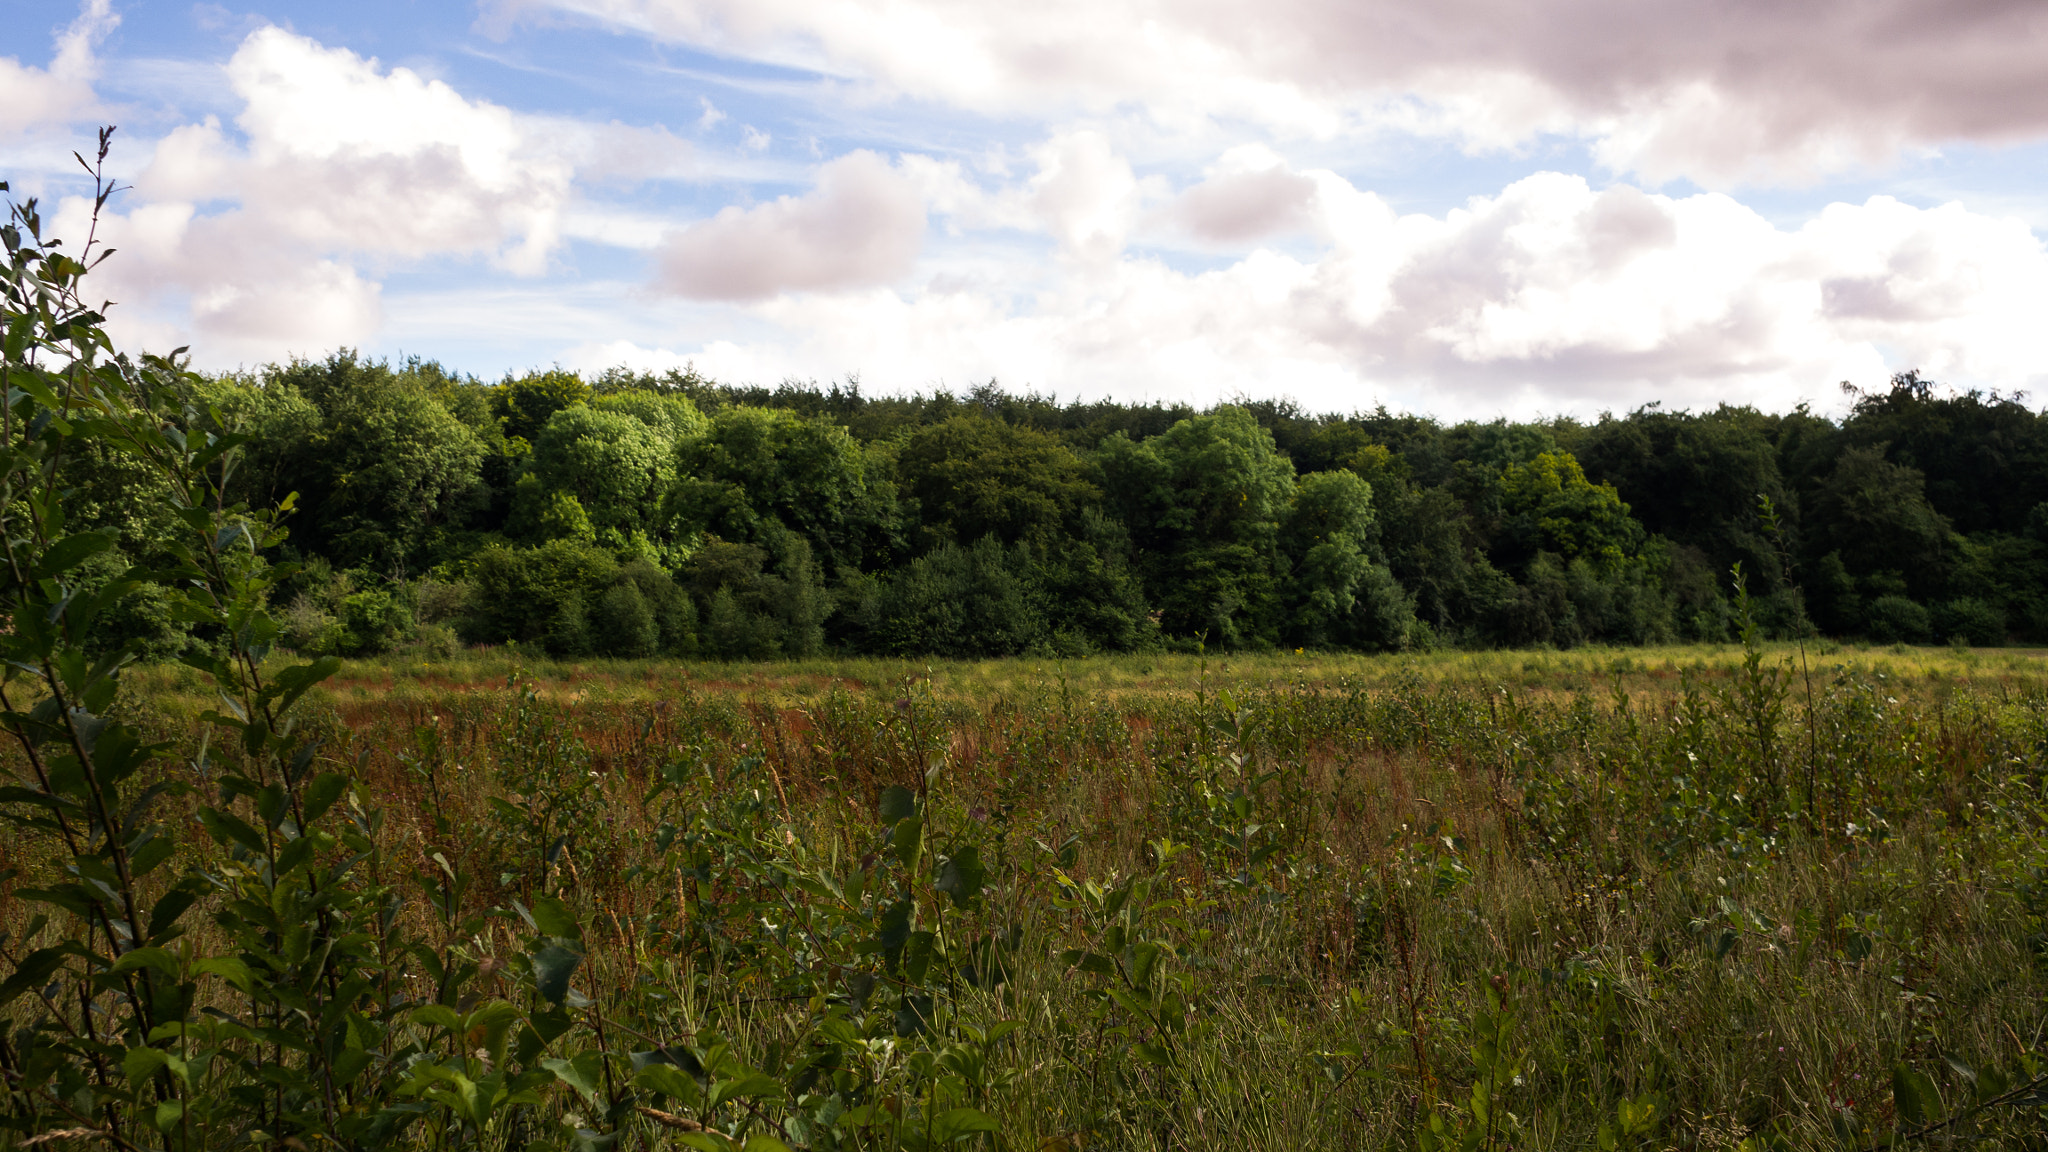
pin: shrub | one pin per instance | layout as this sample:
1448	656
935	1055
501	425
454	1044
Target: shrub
1978	623
525	594
368	622
962	602
623	624
1896	619
344	618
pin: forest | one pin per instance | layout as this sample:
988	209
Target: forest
641	515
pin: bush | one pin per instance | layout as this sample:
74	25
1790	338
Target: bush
962	602
1896	619
1975	622
752	614
536	594
344	618
624	625
369	622
568	631
141	622
675	617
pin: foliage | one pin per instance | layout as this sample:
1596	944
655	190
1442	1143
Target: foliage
1204	501
617	468
973	477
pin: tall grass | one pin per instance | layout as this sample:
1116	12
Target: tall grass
1580	900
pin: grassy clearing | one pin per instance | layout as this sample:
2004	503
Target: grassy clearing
1651	669
1644	898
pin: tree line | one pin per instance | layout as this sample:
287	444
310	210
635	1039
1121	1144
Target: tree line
636	515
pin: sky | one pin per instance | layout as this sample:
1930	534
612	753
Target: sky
1466	208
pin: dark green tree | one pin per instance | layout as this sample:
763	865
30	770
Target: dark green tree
972	476
1204	501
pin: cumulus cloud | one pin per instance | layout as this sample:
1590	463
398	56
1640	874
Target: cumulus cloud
270	235
32	98
1249	196
1549	295
1716	90
1085	194
863	224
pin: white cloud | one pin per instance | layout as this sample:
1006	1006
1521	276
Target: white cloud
1716	90
1085	194
271	237
33	98
1551	295
1248	195
863	224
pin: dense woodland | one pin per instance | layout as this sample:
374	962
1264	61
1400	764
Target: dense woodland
641	515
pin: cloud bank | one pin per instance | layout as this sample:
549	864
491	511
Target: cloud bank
1548	295
1085	256
1715	90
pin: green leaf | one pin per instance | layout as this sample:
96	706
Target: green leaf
437	1016
898	803
230	969
962	875
139	1064
168	1114
552	967
157	958
672	1082
322	793
226	827
553	918
959	1123
1914	1096
151	854
1086	961
908	841
752	1086
293	682
584	1072
34	970
70	551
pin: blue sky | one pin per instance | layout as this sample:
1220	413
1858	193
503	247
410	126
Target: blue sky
1469	208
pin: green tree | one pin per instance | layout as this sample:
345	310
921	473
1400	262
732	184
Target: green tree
1337	596
756	471
537	595
1695	479
281	424
1875	516
387	468
1548	505
524	405
973	477
616	466
962	603
1983	459
1203	501
672	417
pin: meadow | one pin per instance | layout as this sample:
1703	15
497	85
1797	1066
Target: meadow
1700	897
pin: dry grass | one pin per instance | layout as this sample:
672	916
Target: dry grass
1444	820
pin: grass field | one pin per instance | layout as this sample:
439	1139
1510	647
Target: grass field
1646	898
1651	670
